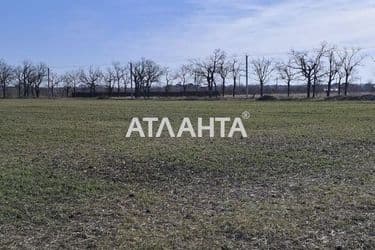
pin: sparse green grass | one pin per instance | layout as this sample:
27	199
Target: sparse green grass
69	178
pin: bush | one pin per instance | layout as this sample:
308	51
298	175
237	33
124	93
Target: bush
352	98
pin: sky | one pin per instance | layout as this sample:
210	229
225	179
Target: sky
71	34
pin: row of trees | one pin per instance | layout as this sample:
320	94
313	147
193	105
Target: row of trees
28	77
326	65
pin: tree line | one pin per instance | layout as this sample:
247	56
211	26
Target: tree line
326	66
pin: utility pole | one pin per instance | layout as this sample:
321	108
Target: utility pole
48	82
131	80
196	82
247	77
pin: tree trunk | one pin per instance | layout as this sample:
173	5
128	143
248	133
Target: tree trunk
314	89
136	90
216	92
4	90
37	91
308	87
91	90
25	90
261	88
209	87
314	86
110	91
125	89
346	85
19	90
223	87
131	88
329	87
184	86
234	87
167	89
288	88
33	90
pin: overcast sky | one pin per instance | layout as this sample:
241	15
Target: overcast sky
72	33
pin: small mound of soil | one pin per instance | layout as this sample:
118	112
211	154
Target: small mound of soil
267	98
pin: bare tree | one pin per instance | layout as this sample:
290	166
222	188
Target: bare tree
339	80
286	73
55	81
235	71
198	78
145	73
209	68
6	76
109	78
350	59
91	78
309	66
333	69
24	77
223	71
139	76
71	79
68	84
306	66
168	78
120	76
319	71
153	73
39	72
182	75
263	69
